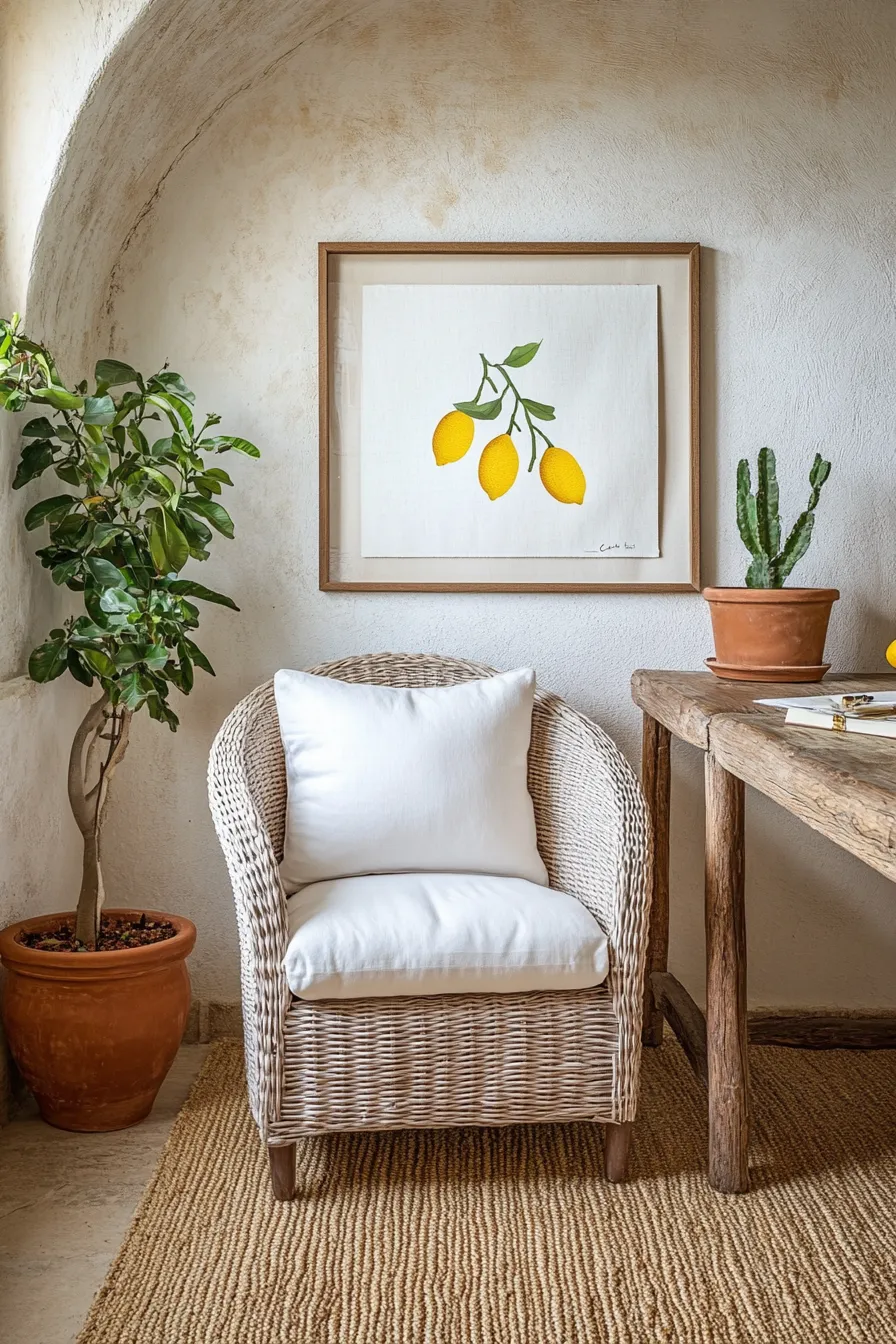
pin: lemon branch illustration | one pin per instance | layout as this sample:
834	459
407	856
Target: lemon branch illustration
560	473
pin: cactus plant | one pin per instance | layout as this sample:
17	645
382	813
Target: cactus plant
759	521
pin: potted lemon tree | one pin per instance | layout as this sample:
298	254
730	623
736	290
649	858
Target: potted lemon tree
95	1001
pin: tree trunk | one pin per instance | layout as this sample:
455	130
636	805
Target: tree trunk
103	722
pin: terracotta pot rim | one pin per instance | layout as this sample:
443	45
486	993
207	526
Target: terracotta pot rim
79	965
772	596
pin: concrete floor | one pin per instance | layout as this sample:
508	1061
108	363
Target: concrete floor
65	1204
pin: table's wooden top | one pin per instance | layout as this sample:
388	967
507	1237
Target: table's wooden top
843	786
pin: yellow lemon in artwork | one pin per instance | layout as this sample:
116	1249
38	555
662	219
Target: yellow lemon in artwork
498	466
452	438
562	476
891	654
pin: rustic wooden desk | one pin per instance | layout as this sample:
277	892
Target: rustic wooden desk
844	787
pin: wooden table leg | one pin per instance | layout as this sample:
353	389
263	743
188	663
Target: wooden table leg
655	778
726	981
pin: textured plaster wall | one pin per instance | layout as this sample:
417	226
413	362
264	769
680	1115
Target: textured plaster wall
224	139
764	131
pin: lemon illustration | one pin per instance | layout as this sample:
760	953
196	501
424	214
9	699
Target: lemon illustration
891	653
562	476
452	438
498	466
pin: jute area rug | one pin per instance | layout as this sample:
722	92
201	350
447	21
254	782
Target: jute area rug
512	1236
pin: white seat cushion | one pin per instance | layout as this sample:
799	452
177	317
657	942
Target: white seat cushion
439	933
383	779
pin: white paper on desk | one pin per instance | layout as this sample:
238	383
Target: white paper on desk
827	704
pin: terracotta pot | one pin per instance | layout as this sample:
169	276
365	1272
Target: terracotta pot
94	1033
770	634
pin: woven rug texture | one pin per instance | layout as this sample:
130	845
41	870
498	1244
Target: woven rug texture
512	1236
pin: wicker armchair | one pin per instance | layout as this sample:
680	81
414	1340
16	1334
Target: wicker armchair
465	1059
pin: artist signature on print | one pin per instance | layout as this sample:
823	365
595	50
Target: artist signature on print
607	546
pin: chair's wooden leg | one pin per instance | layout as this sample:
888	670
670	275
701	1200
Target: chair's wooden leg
726	981
282	1160
656	781
617	1144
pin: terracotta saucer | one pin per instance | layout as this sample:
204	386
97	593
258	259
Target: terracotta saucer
730	672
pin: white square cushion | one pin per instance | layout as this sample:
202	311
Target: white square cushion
439	933
382	779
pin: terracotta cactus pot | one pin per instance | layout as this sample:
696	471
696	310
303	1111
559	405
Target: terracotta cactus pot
95	1033
770	634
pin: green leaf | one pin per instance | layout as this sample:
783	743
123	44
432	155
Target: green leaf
99	410
117	602
216	514
172	382
167	544
186	668
486	410
173	407
47	662
133	689
538	409
101	663
104	572
47	508
104	533
198	657
70	473
41	428
114	373
59	398
77	668
155	656
522	354
65	572
14	399
161	479
36	457
227	441
189	588
218	474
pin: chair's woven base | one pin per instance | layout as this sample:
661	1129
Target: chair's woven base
451	1059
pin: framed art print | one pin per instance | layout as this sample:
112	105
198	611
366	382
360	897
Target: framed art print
509	417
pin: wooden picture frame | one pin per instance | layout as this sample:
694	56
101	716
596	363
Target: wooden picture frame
677	565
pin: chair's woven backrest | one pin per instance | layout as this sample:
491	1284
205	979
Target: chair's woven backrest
570	764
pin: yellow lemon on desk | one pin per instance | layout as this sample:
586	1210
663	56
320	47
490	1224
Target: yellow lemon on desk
562	476
498	466
891	654
452	438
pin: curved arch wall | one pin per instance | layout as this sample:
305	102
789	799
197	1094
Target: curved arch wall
761	132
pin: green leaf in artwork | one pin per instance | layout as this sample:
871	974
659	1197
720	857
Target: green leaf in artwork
538	409
522	354
485	410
